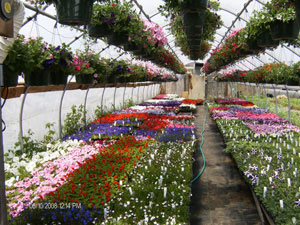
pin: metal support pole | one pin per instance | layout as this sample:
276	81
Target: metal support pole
138	88
258	93
247	91
115	98
60	108
85	100
132	90
289	103
144	92
124	95
3	208
21	119
217	89
275	95
266	104
102	97
252	94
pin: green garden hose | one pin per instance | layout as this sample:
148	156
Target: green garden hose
202	142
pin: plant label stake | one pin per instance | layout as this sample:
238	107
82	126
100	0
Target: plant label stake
281	204
165	192
289	182
294	220
270	179
130	190
294	151
149	162
265	192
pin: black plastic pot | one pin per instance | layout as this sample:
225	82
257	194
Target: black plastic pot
284	31
193	5
10	78
195	19
74	12
265	40
118	39
99	30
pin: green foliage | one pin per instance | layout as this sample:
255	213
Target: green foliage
74	120
49	138
119	15
30	146
17	55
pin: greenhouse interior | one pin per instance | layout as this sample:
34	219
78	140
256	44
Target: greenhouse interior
150	112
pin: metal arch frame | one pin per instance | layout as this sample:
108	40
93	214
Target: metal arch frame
21	135
85	101
60	108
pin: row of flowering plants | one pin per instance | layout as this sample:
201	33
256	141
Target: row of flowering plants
121	168
275	24
272	73
49	64
266	150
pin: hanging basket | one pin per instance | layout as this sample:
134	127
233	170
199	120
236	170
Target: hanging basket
10	78
265	40
195	20
85	78
284	31
193	5
58	78
99	30
74	12
37	78
118	39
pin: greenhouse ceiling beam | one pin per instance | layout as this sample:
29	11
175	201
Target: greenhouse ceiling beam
234	21
33	16
149	19
226	10
155	14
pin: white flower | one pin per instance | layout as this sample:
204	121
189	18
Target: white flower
10	182
279	16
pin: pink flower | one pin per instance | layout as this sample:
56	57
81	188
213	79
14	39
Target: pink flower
77	68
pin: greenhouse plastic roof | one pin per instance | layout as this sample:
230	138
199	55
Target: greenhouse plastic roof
56	34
